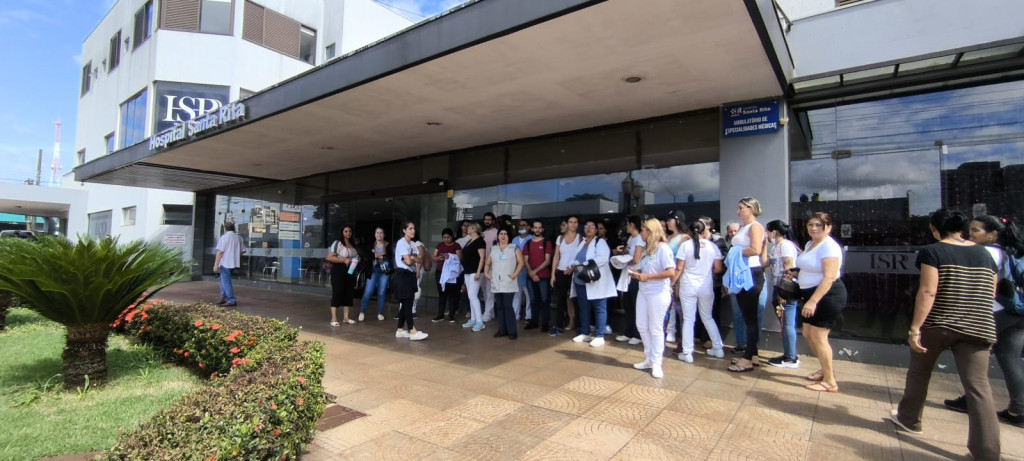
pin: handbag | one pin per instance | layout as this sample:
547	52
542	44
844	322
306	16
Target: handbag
788	290
588	272
384	267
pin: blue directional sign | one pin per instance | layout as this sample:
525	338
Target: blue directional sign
750	118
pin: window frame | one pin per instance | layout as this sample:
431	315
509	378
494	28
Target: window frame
114	52
330	52
146	12
128	215
80	156
303	32
110	142
122	140
86	78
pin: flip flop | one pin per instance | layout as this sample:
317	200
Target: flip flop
335	324
816	376
739	369
755	361
349	321
821	387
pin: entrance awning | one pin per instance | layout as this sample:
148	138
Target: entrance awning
492	71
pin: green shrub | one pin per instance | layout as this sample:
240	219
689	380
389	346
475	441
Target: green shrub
266	393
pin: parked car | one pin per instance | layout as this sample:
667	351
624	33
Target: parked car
21	234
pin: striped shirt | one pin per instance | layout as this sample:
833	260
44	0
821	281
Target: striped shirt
963	300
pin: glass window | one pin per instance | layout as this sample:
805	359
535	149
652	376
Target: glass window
329	52
879	168
143	24
111	142
132	127
215	17
307	45
128	216
81	157
114	53
177	215
99	224
86	77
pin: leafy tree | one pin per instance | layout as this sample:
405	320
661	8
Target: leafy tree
85	286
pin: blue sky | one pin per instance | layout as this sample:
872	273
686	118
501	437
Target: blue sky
41	42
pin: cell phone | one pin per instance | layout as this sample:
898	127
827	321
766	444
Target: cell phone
795	270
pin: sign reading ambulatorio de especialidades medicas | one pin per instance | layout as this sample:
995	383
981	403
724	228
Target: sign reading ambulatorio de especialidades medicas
750	118
181	131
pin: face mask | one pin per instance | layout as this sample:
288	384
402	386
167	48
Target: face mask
522	231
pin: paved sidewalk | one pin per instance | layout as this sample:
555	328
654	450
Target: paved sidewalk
464	395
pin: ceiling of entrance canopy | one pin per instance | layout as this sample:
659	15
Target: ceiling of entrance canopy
568	73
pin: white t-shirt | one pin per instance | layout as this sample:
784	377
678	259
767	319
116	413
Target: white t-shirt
567	251
785	249
997	256
631	244
403	248
698	272
653	264
811	272
742	239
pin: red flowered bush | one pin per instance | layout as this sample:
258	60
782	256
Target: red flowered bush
264	398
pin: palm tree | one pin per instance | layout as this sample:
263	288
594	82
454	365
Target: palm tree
85	286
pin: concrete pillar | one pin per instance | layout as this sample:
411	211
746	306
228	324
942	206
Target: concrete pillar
756	166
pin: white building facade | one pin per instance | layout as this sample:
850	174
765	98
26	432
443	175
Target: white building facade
150	64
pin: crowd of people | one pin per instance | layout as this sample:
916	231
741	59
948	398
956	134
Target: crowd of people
667	273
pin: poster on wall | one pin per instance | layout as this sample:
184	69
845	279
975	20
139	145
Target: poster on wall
180	102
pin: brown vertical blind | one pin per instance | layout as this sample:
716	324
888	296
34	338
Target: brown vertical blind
271	29
180	15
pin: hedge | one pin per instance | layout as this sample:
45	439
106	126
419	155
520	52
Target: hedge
265	394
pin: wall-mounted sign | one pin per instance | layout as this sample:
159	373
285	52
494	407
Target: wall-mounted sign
881	262
174	239
750	118
225	115
290	216
180	102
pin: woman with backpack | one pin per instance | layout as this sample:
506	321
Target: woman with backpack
1003	240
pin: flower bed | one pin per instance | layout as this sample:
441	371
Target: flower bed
265	395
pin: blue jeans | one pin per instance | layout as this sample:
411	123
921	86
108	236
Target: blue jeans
378	282
540	308
788	323
599	308
226	290
1007	352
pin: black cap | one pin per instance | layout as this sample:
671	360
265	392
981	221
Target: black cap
677	215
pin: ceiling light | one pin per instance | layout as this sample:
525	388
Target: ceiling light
433	123
632	79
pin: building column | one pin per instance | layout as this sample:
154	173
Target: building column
754	165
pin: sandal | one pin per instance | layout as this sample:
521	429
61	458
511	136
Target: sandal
822	387
335	324
349	321
756	361
816	376
738	368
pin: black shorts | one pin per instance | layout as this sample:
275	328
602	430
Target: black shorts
342	286
830	306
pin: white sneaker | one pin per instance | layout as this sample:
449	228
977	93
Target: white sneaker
380	316
717	353
670	338
645	365
580	338
607	329
362	316
622	338
688	358
657	372
401	334
419	336
635	341
597	342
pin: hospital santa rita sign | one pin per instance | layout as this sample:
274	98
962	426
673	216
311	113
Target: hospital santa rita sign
750	118
225	115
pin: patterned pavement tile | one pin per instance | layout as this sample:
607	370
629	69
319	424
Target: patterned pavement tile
803	404
398	414
718	390
756	420
647	447
623	373
535	422
704	407
593	386
364	400
485	408
599	437
551	451
687	433
645	395
494	442
480	383
552	377
670	382
443	429
392	445
626	414
351	434
763	443
574	403
509	370
518	391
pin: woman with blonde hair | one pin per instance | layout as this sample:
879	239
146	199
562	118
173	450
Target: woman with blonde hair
655	272
745	255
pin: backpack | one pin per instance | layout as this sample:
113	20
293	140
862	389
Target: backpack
1010	287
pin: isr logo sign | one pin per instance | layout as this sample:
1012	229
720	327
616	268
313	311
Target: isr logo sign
185	108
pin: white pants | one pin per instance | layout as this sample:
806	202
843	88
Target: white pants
485	285
670	327
522	294
650	311
473	293
691	300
